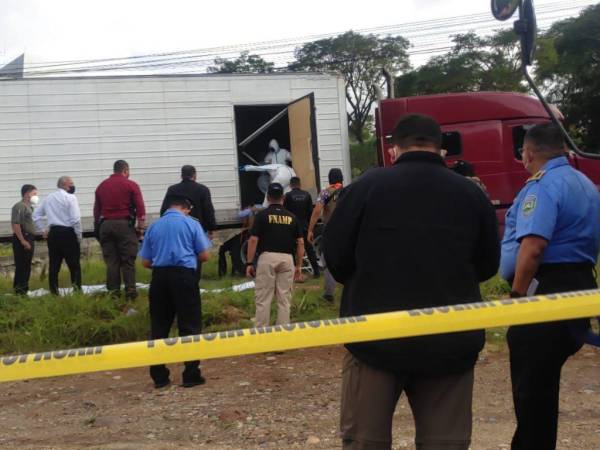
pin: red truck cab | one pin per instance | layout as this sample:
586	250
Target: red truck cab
484	128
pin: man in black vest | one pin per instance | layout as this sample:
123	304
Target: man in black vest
415	235
300	203
275	236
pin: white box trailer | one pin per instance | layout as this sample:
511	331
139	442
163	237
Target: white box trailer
51	127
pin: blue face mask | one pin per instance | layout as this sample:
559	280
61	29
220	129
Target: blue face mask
71	189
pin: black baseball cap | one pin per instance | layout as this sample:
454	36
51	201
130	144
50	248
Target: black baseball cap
417	129
275	191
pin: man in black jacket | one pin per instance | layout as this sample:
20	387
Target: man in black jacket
300	203
202	207
414	235
199	194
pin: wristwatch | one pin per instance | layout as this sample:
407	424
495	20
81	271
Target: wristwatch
249	264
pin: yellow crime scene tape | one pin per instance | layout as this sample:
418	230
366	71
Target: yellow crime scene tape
416	322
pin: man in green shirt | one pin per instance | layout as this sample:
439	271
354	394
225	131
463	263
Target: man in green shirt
23	237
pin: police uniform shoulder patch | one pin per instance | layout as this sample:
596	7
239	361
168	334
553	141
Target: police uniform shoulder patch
529	204
536	176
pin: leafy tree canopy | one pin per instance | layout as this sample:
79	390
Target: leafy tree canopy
360	59
245	63
568	65
473	64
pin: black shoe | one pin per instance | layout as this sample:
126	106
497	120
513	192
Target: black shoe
328	297
316	275
197	381
162	384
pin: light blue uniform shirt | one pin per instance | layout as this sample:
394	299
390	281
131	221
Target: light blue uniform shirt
174	240
561	205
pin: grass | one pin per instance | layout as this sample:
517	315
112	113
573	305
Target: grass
47	322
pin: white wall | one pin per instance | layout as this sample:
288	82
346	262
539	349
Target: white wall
79	127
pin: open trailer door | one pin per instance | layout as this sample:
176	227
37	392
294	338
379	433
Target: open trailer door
302	138
303	141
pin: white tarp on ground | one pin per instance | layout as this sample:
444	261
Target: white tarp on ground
99	288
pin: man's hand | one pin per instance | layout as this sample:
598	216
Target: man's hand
250	271
45	234
528	261
310	237
26	245
298	274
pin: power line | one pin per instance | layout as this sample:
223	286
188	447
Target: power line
405	28
460	20
442	28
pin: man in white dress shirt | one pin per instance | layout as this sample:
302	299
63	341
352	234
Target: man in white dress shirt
59	218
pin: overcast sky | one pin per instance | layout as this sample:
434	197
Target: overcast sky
56	30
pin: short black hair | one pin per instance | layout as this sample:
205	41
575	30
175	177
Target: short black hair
546	139
120	166
188	172
179	200
335	175
417	130
275	191
295	181
26	188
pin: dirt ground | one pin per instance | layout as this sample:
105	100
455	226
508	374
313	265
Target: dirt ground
280	401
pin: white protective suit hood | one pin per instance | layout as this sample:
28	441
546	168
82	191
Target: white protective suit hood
274	145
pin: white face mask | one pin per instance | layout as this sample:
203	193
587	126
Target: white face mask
34	200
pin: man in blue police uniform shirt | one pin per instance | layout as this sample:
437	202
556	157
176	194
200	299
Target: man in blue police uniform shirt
173	246
552	237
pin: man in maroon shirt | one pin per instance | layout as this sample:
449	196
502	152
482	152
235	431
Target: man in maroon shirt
119	204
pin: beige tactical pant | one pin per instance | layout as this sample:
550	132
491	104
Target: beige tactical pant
274	276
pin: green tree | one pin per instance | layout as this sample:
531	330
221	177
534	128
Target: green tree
568	64
360	59
473	64
245	63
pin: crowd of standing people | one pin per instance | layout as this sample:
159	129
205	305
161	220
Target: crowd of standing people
435	238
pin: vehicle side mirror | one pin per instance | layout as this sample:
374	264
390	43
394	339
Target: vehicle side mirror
504	9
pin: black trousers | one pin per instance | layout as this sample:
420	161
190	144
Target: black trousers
23	259
174	293
312	255
537	354
233	246
63	244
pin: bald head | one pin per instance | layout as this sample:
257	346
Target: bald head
64	182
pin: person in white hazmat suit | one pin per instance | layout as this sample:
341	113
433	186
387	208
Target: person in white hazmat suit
275	155
276	173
